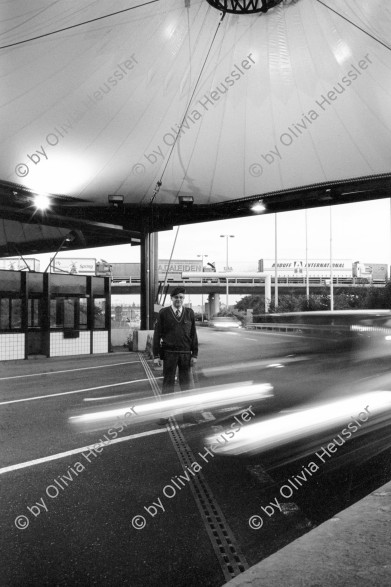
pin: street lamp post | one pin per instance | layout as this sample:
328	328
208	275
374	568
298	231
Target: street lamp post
275	265
227	236
202	291
331	262
307	281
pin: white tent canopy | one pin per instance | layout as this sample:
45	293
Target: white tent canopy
92	106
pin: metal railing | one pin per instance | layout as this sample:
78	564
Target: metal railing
280	327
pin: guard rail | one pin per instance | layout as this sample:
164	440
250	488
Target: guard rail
297	327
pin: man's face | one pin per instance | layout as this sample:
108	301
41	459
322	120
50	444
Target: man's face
178	300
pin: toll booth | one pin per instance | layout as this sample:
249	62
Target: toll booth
53	315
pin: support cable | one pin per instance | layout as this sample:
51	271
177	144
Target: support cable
159	183
355	25
73	26
168	267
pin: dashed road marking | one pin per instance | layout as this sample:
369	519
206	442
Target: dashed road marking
66	370
30	399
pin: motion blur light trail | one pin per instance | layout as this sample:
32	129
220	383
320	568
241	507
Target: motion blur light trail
173	404
322	419
242	366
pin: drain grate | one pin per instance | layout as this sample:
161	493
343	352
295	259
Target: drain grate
228	553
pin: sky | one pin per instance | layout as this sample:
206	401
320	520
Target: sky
360	232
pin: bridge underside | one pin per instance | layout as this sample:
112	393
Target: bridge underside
26	230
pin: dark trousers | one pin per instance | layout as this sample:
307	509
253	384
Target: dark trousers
171	361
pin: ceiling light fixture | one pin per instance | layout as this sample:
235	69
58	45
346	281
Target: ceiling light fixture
258	207
41	202
185	201
116	201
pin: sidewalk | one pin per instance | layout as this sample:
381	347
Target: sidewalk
349	550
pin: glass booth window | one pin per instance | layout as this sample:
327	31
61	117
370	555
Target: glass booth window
83	313
10	313
99	312
4	314
68	313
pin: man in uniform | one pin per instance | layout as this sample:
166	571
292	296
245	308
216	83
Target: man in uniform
175	342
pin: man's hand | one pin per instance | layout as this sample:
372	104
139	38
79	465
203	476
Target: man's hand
157	362
193	361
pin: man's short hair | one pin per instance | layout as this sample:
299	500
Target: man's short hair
177	290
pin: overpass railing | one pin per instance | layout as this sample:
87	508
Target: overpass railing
320	281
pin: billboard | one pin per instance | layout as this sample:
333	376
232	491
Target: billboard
179	265
73	266
298	267
371	271
19	264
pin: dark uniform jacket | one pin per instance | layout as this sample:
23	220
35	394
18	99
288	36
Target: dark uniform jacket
175	334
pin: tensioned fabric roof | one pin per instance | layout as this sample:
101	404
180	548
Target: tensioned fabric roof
172	98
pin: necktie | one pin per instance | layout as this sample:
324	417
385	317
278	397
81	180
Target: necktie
177	313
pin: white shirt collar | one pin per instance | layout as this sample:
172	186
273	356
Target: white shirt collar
174	309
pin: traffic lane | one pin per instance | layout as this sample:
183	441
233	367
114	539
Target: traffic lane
242	488
294	380
239	499
67	376
291	496
355	471
37	428
20	367
253	344
87	536
190	559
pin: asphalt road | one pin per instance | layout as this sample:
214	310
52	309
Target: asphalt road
135	512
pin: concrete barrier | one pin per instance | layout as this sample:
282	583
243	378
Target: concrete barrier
119	336
140	338
296	327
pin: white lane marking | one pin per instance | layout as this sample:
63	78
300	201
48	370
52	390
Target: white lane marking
106	397
76	451
246	338
67	370
227	332
30	399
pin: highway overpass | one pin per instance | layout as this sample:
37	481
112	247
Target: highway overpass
253	286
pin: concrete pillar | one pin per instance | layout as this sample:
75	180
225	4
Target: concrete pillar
213	304
148	278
